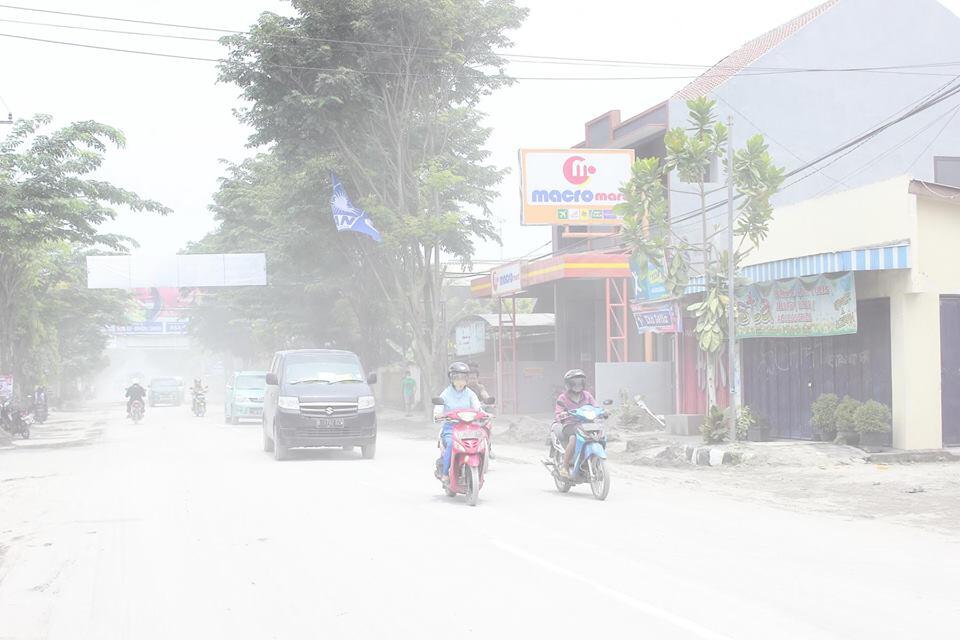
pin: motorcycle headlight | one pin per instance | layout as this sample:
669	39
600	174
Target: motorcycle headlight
467	416
289	403
365	403
589	414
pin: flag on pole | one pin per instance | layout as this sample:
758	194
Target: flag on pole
348	217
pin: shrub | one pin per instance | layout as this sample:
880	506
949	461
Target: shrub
714	427
824	412
746	418
845	415
628	414
872	417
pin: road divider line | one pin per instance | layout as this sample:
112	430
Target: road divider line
644	607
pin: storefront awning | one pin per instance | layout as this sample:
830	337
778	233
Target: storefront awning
879	258
589	265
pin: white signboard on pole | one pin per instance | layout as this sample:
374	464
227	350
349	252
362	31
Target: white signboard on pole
470	337
506	280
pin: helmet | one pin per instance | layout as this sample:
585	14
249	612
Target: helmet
457	368
572	375
474	368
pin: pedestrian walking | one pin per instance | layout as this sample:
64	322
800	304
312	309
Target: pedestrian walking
409	387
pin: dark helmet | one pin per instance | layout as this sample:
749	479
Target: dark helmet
572	375
457	368
474	368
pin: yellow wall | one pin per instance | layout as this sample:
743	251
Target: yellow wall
880	213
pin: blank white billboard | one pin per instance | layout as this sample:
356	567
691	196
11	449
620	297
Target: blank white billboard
195	270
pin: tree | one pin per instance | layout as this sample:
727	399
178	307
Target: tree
315	294
647	231
387	93
47	196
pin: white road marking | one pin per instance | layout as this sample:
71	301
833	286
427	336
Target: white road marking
644	607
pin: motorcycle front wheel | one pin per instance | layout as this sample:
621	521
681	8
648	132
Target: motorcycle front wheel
599	478
473	485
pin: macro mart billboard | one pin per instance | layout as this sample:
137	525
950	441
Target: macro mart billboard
572	186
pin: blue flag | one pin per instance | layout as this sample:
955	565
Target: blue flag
348	217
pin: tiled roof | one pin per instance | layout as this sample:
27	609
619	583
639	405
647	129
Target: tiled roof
748	53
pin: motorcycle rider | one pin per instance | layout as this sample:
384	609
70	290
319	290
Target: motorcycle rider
575	396
135	392
455	397
197	390
473	382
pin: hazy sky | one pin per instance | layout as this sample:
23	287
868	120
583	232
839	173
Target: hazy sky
179	124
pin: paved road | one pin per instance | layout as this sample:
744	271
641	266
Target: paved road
184	528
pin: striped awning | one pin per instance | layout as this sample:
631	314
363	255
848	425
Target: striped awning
880	258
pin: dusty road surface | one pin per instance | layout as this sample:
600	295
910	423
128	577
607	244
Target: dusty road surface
183	528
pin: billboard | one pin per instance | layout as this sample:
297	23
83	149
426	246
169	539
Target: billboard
820	305
191	270
155	311
572	186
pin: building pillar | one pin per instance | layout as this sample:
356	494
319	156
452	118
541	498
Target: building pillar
915	370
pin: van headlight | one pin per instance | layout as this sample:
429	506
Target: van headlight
365	403
289	403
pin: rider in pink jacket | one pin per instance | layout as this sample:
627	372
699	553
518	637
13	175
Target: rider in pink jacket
573	398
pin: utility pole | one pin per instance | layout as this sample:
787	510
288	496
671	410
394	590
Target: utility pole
731	301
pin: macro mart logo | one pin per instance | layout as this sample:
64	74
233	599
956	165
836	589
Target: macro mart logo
559	185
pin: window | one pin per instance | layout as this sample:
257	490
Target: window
321	368
946	170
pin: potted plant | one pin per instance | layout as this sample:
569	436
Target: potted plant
845	420
824	416
872	422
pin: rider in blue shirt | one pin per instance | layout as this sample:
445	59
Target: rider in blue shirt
455	397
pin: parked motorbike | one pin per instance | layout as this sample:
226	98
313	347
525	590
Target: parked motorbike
590	454
136	411
40	413
199	404
468	462
14	421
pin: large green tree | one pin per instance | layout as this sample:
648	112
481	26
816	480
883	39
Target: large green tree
315	294
386	92
48	195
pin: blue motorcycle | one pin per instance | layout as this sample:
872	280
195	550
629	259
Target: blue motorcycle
589	456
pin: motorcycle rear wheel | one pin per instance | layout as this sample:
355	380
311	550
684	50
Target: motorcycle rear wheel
473	485
599	478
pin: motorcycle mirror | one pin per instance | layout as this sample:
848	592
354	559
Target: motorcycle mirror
437	401
607	403
490	402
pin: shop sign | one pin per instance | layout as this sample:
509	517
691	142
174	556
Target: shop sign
798	307
470	338
649	282
664	318
506	280
572	186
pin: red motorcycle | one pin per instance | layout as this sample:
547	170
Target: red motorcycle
468	460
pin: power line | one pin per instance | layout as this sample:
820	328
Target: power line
525	58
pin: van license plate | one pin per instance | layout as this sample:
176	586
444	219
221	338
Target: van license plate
329	423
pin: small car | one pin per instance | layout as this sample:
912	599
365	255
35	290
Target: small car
244	398
165	391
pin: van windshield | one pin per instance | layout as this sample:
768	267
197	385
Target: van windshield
322	369
252	382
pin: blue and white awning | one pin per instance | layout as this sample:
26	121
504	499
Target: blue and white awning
881	258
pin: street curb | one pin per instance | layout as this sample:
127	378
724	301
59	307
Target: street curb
903	457
710	456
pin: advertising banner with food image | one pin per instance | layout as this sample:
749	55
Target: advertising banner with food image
798	308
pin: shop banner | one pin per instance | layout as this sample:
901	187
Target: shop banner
656	318
798	308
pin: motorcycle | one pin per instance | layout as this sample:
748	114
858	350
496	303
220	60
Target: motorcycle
14	421
40	413
468	461
199	404
136	411
589	456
